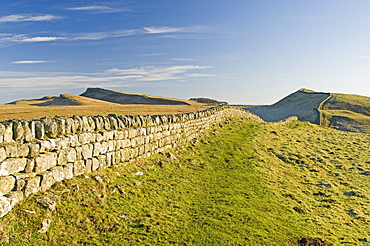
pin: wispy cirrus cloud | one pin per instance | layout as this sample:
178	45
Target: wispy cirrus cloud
98	9
19	18
177	32
158	73
28	62
113	77
42	39
162	29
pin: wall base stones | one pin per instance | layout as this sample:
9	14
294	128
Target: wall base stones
35	154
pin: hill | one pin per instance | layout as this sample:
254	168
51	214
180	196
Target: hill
131	98
245	183
68	105
303	104
339	111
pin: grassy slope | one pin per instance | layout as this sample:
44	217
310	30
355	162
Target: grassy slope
348	112
25	110
236	186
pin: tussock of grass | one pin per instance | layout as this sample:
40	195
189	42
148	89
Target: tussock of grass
243	184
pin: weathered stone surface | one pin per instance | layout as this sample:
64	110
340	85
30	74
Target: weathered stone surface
79	167
62	157
71	155
15	151
95	164
68	171
30	166
12	165
29	131
19	184
88	165
18	131
39	130
62	142
8	132
2	129
49	201
97	149
87	151
32	186
6	184
34	150
58	173
5	206
15	197
45	162
51	129
2	154
47	180
111	145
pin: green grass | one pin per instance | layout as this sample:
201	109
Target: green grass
239	185
348	112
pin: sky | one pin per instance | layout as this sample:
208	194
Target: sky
239	51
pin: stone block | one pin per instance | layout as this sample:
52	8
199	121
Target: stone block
111	145
71	155
15	197
8	132
29	136
58	173
39	130
47	181
30	166
45	162
34	150
62	142
51	129
32	186
87	151
95	164
12	165
2	129
6	184
79	167
5	206
62	157
18	131
3	155
97	149
68	171
88	165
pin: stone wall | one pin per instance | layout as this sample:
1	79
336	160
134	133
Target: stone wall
37	153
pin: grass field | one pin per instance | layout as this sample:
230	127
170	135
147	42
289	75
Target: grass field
348	112
28	112
244	183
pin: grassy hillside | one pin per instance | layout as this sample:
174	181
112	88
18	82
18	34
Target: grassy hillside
68	105
244	183
348	112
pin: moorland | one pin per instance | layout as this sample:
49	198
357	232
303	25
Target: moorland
242	183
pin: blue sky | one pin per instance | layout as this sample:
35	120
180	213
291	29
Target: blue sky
240	51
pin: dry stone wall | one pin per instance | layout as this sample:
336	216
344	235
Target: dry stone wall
37	153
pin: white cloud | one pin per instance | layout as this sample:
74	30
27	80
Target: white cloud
158	73
162	29
41	39
18	18
91	7
113	78
27	62
99	9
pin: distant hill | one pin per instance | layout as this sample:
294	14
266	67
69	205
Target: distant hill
130	98
303	103
339	111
